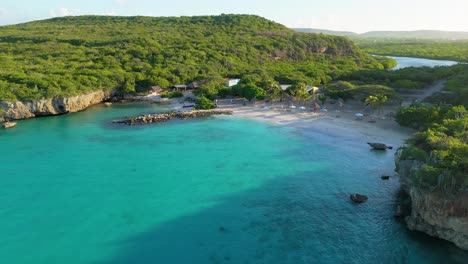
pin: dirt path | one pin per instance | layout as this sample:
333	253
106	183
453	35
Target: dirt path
411	95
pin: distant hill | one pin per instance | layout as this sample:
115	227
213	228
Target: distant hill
328	32
418	34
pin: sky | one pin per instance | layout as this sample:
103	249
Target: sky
347	15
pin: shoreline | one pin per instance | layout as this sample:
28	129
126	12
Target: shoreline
340	123
332	123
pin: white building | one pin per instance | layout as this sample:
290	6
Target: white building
232	82
284	87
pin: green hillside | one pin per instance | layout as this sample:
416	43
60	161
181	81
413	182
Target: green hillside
73	55
432	44
433	49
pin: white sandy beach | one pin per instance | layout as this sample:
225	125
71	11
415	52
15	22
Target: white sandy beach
334	122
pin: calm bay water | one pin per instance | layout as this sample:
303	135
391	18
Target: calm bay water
405	62
79	189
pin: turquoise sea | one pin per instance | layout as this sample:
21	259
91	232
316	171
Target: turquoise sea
79	189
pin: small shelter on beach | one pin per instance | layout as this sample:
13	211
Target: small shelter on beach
179	87
312	89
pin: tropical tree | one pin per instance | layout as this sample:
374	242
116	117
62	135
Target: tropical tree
376	101
299	91
272	90
382	99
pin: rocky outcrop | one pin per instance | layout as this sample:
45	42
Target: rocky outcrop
358	198
9	124
431	211
53	106
162	117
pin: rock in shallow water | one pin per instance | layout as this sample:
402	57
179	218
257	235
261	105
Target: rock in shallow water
379	146
358	198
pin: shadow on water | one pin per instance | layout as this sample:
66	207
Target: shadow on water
285	221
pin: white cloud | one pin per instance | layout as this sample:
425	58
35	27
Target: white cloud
63	11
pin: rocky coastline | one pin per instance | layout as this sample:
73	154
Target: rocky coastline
163	117
430	211
53	106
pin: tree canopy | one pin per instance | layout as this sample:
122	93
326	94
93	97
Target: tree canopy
74	55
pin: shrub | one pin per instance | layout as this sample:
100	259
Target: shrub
204	103
418	117
414	153
363	91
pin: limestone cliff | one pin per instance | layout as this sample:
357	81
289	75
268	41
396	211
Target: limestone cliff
431	211
54	106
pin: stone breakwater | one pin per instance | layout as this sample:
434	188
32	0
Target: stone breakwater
163	117
53	106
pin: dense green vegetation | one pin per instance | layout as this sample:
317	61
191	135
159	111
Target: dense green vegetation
442	145
442	140
346	90
73	55
456	88
204	103
409	78
433	49
433	44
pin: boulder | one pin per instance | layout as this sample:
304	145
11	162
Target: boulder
385	177
358	198
9	124
379	146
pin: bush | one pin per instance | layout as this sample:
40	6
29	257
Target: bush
364	91
339	89
204	103
418	117
414	153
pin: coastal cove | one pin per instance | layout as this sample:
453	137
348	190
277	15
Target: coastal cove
248	188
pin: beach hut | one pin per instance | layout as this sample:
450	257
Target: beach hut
312	89
179	87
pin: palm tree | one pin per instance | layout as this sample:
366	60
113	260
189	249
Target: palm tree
272	89
376	102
